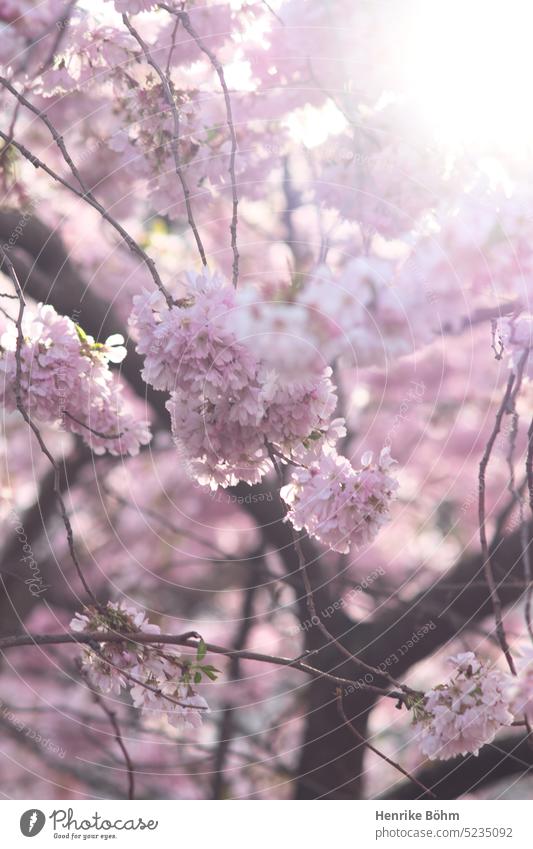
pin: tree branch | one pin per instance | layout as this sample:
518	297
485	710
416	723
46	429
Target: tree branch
461	776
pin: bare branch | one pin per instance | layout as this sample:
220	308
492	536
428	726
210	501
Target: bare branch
83	192
485	553
187	640
186	21
169	97
91	429
111	714
29	421
365	742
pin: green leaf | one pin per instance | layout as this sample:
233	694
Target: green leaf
210	672
82	336
201	651
198	677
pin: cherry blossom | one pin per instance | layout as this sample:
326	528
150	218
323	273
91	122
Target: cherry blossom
460	717
159	679
516	336
228	409
337	504
65	379
381	289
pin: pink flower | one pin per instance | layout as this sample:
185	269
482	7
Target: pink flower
517	338
178	702
460	717
337	504
227	409
236	411
65	379
158	678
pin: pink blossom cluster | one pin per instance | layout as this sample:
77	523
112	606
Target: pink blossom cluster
23	25
337	504
460	717
516	334
158	678
371	312
377	188
229	409
65	378
391	302
143	143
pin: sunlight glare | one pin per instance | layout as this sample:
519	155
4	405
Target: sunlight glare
469	69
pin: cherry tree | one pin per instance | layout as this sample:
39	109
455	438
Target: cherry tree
267	458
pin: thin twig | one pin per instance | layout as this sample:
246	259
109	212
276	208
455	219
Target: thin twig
485	551
84	193
219	70
226	725
6	315
515	491
372	748
166	523
527	565
112	716
313	611
29	421
134	680
311	606
187	640
172	47
273	12
91	429
174	142
61	25
497	346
